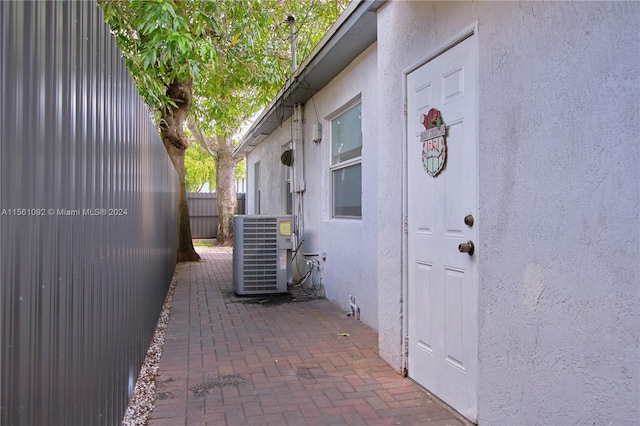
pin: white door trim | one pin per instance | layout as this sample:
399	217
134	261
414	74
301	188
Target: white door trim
469	31
448	44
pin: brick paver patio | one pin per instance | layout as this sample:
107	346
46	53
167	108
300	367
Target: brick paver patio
229	360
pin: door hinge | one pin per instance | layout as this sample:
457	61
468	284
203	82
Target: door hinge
405	108
405	224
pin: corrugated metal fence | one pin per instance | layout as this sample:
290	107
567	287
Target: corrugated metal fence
203	213
88	202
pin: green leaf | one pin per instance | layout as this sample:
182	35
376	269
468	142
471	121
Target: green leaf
236	52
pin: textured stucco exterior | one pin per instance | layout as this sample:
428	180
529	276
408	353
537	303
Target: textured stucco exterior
350	245
559	196
272	173
558	186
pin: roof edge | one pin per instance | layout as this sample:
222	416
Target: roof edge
337	36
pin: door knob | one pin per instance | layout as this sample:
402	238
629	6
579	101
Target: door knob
467	247
468	220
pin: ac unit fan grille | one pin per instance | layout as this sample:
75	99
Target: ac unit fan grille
260	254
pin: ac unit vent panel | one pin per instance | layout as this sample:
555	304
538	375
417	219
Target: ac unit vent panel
261	254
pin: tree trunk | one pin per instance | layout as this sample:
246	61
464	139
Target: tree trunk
226	190
176	144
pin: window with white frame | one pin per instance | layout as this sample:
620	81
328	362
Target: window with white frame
346	163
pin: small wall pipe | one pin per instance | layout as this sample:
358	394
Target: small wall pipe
354	310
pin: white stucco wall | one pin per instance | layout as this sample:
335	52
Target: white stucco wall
272	173
350	245
559	231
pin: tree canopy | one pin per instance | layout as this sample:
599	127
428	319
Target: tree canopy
201	169
213	65
236	52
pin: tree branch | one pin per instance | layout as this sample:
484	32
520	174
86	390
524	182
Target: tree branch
203	140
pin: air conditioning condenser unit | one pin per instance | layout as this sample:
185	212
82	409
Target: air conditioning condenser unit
261	254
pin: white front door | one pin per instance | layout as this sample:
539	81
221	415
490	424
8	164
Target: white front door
442	281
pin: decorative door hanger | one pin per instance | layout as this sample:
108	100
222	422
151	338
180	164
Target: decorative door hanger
434	145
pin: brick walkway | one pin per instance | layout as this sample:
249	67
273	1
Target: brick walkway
279	362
